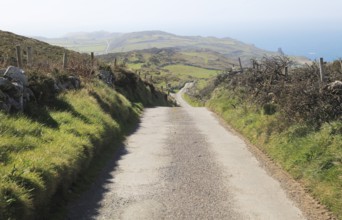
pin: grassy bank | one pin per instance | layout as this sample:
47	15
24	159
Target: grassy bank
192	101
312	156
43	152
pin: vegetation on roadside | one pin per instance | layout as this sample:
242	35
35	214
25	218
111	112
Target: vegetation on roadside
192	101
42	154
294	118
48	147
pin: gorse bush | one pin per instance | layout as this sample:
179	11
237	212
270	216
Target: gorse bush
299	95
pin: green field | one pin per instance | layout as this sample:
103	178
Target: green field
135	66
195	72
88	48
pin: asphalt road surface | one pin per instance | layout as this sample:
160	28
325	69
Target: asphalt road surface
181	163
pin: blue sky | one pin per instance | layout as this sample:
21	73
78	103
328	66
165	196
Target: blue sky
266	23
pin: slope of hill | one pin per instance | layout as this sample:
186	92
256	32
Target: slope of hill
97	42
42	52
150	39
172	67
103	42
203	58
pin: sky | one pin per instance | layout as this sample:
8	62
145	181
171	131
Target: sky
303	27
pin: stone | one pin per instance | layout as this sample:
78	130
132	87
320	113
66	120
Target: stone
334	87
28	94
75	81
19	89
3	96
16	74
106	76
4	106
5	84
16	104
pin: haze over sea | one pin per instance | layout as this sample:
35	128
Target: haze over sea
310	44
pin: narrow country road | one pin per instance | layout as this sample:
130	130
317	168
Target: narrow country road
182	164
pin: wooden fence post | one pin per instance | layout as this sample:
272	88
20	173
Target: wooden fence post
65	60
286	71
29	56
19	61
92	58
240	64
321	69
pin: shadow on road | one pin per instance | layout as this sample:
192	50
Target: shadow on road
87	204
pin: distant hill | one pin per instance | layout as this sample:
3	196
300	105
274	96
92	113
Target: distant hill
102	42
149	39
105	42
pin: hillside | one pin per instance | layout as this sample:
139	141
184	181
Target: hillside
43	53
203	58
58	125
104	42
172	67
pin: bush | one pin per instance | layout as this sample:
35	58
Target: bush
299	95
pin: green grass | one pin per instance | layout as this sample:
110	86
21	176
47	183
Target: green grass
88	48
196	72
313	157
135	66
42	155
191	101
178	75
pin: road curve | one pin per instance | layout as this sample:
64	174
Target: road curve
182	164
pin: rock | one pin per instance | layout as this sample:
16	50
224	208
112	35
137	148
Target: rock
334	87
3	96
106	76
19	89
75	81
4	106
28	94
16	104
5	84
16	74
70	82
